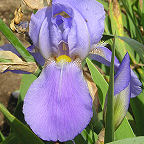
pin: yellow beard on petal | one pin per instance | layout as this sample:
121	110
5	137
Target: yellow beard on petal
63	59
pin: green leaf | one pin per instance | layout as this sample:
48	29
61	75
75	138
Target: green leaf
137	105
96	123
105	4
99	81
117	27
89	136
137	140
11	139
79	140
132	28
124	2
109	124
23	133
69	142
25	84
133	46
4	60
15	42
137	46
2	138
142	14
124	130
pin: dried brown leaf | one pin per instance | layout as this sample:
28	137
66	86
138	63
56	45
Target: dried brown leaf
18	15
15	63
8	55
23	66
92	89
101	137
12	25
37	4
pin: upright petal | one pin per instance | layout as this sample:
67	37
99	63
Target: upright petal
36	22
43	32
122	91
58	105
78	35
122	76
103	55
92	12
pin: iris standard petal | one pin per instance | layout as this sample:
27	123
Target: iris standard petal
36	22
92	12
44	33
122	91
122	76
58	105
45	45
78	35
103	55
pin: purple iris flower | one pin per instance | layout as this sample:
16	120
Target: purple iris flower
58	105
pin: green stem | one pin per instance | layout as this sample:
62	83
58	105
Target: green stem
109	128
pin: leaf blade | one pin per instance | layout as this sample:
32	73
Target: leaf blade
99	81
20	130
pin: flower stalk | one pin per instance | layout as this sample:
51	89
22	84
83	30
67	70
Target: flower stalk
109	128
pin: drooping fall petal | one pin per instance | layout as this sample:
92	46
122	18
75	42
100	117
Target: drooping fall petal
58	105
103	55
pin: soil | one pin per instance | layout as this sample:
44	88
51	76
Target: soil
10	82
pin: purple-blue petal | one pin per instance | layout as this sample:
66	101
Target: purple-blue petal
55	35
92	12
9	47
123	75
36	22
77	35
135	85
122	90
103	55
37	55
82	37
58	105
44	34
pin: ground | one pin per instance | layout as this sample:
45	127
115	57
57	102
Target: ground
10	82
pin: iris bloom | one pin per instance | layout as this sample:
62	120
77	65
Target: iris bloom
58	105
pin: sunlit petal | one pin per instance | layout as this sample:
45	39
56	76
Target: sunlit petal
58	105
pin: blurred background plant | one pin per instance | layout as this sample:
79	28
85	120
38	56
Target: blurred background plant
125	19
